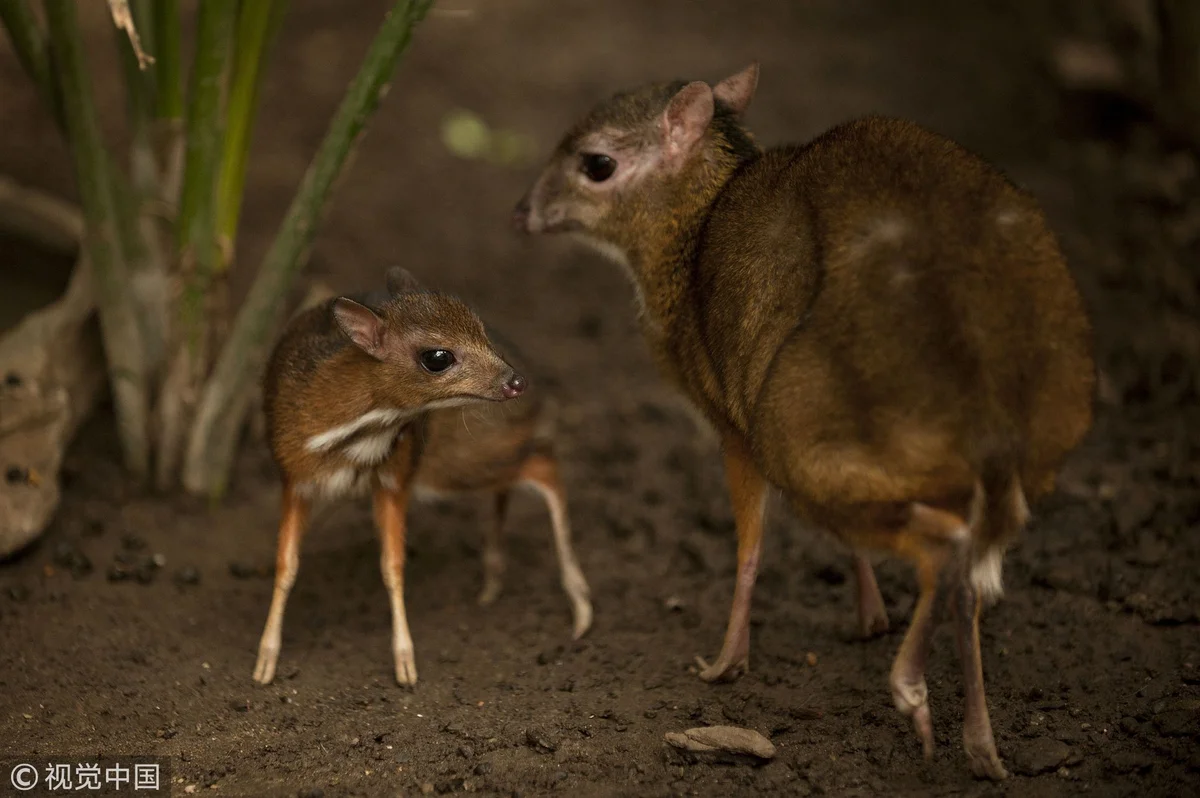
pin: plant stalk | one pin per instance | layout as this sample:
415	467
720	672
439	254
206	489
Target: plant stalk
257	24
30	45
221	414
118	319
168	97
195	236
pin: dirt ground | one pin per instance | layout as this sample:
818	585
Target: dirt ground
1092	661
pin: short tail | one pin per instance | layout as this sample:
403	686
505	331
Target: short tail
998	514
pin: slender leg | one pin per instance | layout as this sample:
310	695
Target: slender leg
872	615
907	678
541	472
977	727
748	492
287	563
390	506
493	552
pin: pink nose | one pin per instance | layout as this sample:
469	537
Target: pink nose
514	387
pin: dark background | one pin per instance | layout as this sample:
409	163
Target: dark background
1092	661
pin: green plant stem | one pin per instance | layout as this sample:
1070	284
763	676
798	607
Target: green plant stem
139	83
221	414
194	227
168	98
30	46
195	236
118	320
257	23
168	71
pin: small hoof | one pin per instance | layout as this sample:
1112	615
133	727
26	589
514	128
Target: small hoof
489	594
264	669
722	671
870	628
583	620
985	764
406	669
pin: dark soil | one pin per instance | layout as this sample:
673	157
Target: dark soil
1092	661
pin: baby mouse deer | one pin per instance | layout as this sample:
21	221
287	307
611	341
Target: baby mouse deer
363	394
878	323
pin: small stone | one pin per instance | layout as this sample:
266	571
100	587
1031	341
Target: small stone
144	573
132	543
241	570
731	739
540	739
240	705
483	768
811	659
1130	725
466	752
427	788
1124	762
550	655
190	789
159	560
1179	718
187	575
1040	755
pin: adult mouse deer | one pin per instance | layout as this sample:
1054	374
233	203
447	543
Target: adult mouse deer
877	322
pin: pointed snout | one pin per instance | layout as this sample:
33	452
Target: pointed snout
514	387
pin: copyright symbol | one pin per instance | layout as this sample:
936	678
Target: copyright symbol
24	777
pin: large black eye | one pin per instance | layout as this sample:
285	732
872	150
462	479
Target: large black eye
437	360
597	167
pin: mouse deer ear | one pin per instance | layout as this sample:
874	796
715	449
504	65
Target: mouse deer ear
401	281
360	324
686	119
737	91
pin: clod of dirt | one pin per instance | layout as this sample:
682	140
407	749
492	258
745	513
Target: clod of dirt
187	575
1179	718
68	556
242	571
132	543
726	739
830	575
1125	762
1041	755
541	740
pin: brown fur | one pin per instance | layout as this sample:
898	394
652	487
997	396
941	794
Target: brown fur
349	407
318	379
852	307
877	322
